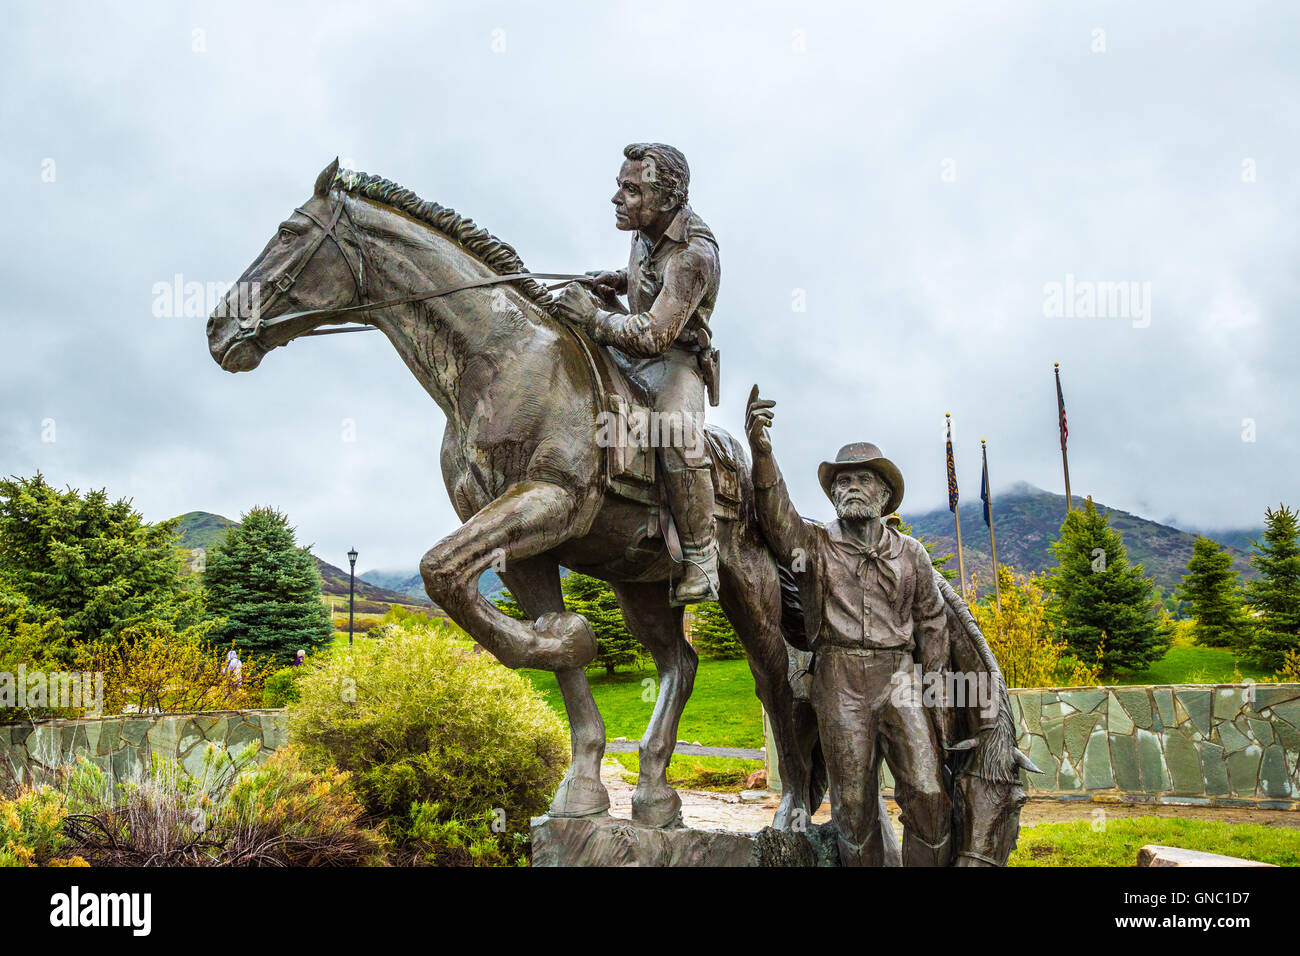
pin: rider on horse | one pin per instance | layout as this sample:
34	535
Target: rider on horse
671	283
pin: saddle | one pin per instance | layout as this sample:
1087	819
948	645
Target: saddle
630	431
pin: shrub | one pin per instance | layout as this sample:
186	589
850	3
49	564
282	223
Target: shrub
281	688
153	668
418	717
231	813
31	829
1022	638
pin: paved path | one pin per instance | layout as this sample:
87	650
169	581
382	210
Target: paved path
690	750
725	811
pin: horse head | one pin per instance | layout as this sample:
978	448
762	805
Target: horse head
314	263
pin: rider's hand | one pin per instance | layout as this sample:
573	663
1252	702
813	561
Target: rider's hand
609	282
758	418
576	304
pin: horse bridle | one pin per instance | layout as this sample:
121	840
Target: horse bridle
284	280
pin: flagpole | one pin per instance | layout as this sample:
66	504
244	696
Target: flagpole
988	512
953	504
1065	461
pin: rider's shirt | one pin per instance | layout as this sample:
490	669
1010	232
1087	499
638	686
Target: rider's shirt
672	285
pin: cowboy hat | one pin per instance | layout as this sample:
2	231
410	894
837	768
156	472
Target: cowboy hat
861	454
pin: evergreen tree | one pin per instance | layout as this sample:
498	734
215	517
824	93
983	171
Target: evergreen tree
92	564
267	588
595	600
1275	595
712	634
1213	590
1102	604
939	564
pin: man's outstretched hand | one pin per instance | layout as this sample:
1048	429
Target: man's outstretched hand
758	418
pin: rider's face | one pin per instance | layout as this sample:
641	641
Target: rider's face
637	204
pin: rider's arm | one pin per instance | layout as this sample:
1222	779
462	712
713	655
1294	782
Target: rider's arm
687	276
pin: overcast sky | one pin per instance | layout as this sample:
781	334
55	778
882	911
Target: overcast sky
917	174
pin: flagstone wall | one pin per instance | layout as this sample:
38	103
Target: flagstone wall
120	745
1221	745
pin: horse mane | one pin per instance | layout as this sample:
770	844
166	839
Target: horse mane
497	255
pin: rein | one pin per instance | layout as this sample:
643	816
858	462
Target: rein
282	283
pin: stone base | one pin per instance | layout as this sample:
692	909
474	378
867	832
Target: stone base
1153	855
602	840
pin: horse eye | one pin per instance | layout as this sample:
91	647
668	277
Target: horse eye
286	235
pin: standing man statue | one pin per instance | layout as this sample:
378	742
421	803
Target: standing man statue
873	610
672	284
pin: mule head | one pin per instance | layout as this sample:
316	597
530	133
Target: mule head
313	262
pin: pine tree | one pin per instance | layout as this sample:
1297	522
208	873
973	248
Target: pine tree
595	600
1101	602
712	634
939	564
94	565
267	588
1212	589
1275	595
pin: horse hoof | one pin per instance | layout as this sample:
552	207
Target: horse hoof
659	808
568	641
790	815
579	797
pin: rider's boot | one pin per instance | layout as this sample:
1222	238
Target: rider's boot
690	498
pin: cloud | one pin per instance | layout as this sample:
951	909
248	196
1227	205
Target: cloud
919	172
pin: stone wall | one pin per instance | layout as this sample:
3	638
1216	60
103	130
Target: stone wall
120	744
1202	744
1222	745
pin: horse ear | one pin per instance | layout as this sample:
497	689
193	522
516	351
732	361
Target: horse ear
325	181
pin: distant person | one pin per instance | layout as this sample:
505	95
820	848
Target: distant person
233	666
299	658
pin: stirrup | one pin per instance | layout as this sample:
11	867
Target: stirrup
705	560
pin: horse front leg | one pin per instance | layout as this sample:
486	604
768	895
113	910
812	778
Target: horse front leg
535	584
531	517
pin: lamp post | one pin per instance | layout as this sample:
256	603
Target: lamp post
352	590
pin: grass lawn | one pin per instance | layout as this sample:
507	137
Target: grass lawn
725	774
722	711
1190	663
1078	844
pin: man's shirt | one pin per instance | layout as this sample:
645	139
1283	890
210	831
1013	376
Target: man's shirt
672	286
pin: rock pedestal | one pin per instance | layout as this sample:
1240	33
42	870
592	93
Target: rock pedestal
1154	855
602	840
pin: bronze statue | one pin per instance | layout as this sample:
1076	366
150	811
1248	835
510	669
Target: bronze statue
523	391
672	284
886	632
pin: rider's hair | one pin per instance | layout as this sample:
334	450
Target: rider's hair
669	174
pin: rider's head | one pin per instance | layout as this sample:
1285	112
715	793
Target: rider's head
652	186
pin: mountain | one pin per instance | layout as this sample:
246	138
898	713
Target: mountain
1027	520
404	582
202	529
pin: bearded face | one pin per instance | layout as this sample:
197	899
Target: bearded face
860	494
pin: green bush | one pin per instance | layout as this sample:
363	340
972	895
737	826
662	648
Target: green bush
231	812
419	717
31	829
281	688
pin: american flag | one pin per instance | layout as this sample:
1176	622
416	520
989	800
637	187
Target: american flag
1060	406
952	473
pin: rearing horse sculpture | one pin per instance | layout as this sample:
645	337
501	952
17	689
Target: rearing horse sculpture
522	393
